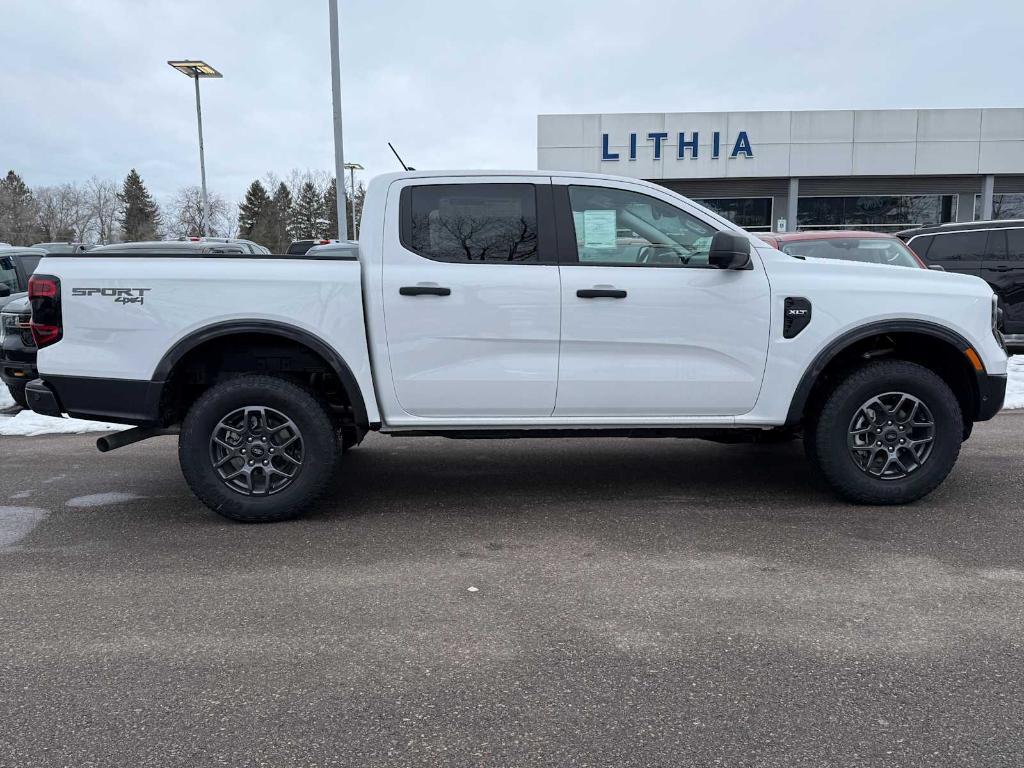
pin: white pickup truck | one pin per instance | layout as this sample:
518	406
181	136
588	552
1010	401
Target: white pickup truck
516	304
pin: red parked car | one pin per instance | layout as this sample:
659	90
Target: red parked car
852	245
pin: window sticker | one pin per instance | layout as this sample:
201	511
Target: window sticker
599	229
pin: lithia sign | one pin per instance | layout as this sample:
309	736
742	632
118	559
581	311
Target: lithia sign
686	147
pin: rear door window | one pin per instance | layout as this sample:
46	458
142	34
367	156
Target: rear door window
959	251
1015	246
472	223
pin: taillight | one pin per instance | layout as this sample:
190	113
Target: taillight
44	295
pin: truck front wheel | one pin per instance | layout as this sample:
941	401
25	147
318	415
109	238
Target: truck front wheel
889	433
258	449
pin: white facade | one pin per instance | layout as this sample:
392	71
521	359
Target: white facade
921	142
883	169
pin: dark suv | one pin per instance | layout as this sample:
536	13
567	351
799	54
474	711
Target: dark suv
991	250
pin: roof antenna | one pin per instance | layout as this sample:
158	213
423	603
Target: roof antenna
400	161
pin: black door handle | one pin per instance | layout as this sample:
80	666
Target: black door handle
1001	268
601	293
424	290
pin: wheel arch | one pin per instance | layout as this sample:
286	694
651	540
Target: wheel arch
943	347
197	338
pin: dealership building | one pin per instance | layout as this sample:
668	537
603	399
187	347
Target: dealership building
859	169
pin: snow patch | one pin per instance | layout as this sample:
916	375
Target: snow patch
18	522
101	499
1015	383
6	401
21	495
30	423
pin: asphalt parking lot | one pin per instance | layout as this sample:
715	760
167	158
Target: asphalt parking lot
648	603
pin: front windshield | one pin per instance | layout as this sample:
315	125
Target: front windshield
8	276
874	250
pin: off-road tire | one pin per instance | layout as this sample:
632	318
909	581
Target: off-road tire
827	434
320	454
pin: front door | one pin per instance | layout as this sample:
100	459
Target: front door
649	328
471	297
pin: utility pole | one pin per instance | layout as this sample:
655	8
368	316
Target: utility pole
196	68
202	160
339	151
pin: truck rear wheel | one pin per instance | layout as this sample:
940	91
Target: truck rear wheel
258	449
889	433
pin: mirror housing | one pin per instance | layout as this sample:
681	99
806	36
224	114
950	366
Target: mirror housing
730	250
4	291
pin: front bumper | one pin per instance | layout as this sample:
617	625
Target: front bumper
991	394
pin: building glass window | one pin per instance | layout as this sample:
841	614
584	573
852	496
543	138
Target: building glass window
875	212
751	213
1005	206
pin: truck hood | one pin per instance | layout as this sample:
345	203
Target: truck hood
7	301
860	276
16	302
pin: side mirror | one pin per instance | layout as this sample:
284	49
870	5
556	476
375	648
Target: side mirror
937	267
5	291
730	250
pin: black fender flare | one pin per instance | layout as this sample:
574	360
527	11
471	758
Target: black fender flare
843	341
272	328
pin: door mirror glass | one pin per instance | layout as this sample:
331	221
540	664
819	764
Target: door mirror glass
730	250
4	290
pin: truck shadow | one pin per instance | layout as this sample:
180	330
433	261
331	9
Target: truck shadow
494	477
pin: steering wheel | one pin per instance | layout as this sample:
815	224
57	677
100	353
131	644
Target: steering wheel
661	254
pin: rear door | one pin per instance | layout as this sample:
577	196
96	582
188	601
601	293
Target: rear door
471	297
1004	271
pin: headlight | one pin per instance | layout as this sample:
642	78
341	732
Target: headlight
8	323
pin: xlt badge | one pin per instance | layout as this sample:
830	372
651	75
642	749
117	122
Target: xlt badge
796	316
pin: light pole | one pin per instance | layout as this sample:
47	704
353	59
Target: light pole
352	168
197	69
339	152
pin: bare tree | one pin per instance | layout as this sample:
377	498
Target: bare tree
296	179
56	217
101	199
185	214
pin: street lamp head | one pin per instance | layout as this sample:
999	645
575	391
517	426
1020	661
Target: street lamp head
354	167
195	68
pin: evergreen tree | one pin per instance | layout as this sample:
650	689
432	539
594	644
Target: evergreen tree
331	209
140	216
18	211
254	215
279	223
308	219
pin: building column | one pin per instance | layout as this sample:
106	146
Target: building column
791	204
965	206
988	186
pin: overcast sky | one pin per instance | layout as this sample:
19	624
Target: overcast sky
84	87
